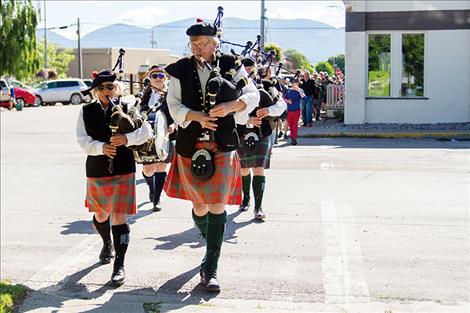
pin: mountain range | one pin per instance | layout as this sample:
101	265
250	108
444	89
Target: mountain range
317	41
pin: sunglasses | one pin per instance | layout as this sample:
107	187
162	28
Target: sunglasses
108	86
157	75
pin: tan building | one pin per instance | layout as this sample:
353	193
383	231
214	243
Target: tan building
136	60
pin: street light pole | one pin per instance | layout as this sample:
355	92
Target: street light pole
79	51
45	43
262	26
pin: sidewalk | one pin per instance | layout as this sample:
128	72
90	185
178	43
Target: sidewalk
121	301
332	128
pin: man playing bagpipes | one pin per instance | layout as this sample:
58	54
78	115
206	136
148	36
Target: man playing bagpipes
208	94
110	169
255	150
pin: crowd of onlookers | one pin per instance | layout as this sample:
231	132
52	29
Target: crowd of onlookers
306	98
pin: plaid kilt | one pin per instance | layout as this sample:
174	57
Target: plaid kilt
224	187
112	194
262	158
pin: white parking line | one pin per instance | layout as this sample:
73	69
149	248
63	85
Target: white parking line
343	275
79	255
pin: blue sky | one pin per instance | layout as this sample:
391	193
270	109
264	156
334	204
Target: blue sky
97	14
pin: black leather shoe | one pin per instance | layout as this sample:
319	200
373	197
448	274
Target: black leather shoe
244	207
294	142
259	215
118	277
157	207
209	281
106	253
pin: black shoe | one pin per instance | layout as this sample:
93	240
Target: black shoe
209	281
157	207
106	253
118	277
259	215
244	206
293	142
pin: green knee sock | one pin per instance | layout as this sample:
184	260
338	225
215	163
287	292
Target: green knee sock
201	223
215	237
246	184
258	190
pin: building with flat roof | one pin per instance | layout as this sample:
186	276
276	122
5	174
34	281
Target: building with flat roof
407	62
136	60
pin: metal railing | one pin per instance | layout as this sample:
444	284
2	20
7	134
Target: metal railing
335	97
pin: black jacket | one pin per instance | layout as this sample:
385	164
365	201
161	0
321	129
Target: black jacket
185	70
97	126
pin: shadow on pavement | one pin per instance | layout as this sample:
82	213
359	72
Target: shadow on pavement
193	239
70	289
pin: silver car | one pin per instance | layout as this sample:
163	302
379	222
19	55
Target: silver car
64	90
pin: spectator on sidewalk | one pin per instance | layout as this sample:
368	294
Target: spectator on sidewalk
308	86
293	97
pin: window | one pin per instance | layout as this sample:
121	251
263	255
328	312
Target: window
63	84
379	65
412	50
52	85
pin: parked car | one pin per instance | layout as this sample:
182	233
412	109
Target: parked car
25	97
6	100
63	90
16	83
88	82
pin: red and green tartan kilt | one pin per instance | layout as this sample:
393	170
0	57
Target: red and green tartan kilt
224	187
262	157
112	194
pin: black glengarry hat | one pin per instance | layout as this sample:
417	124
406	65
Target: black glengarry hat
248	61
102	77
201	28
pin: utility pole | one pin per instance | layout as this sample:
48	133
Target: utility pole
263	11
45	43
79	51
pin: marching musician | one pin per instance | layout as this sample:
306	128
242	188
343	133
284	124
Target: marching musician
154	99
257	160
187	99
110	171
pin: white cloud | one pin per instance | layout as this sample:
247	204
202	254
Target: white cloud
144	16
329	12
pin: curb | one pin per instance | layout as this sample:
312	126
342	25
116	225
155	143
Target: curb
428	134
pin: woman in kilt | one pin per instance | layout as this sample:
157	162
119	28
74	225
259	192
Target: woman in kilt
186	101
259	160
153	99
110	171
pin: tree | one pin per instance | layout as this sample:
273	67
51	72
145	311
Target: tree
18	54
272	46
58	60
337	62
299	61
324	67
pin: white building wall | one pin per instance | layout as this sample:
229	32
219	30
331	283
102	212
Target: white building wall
356	77
388	6
447	71
447	85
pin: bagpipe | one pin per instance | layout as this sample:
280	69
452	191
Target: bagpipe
220	88
123	121
263	61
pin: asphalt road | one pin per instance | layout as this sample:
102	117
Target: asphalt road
353	225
